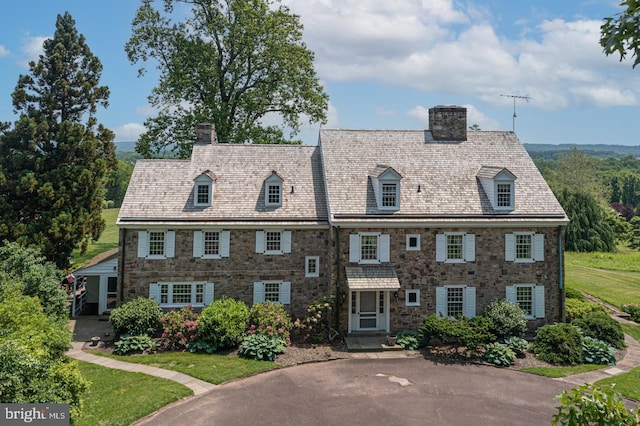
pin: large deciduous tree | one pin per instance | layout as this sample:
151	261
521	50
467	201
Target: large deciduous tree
621	33
235	63
54	159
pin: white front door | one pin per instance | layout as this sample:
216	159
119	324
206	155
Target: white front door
368	311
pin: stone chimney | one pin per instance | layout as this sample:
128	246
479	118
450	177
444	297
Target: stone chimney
206	134
448	123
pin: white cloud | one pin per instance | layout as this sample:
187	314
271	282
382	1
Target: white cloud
3	51
475	116
421	114
129	132
146	111
32	48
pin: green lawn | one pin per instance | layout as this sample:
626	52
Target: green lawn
628	384
117	397
555	372
611	277
107	241
213	368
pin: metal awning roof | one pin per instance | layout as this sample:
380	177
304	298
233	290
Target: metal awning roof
372	278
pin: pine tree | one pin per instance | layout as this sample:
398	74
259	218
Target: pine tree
54	159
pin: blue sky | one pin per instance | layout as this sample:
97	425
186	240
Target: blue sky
385	63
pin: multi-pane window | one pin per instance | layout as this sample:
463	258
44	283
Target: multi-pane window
156	243
273	194
272	292
455	246
211	241
389	195
202	194
273	240
181	293
369	247
312	267
455	301
524	299
524	246
503	194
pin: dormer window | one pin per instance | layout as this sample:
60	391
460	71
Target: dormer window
499	185
203	189
386	187
273	190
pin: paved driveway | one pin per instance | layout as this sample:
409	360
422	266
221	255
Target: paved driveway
373	392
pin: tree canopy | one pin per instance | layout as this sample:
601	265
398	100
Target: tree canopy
621	33
238	64
54	159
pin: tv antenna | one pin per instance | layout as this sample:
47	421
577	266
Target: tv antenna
526	98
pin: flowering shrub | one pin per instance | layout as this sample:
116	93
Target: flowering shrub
179	329
316	325
269	319
632	309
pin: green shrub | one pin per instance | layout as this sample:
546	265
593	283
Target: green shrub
593	405
261	347
179	329
633	309
602	327
570	293
201	346
577	309
270	319
223	323
138	316
134	344
408	339
508	319
517	344
316	325
558	344
598	352
499	354
470	333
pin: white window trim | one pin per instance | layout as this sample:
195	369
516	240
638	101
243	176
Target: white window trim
198	244
512	186
266	193
395	182
209	186
406	297
384	248
538	303
468	300
169	244
468	248
261	242
207	297
307	273
537	248
417	237
284	291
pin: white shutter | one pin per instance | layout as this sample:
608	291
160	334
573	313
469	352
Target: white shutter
143	245
441	301
154	292
197	244
170	244
286	241
258	292
259	241
470	302
285	293
354	248
510	293
208	293
538	247
470	247
441	248
384	242
225	238
509	247
539	300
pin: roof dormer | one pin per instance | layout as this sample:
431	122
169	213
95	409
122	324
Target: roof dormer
203	189
273	190
499	185
386	187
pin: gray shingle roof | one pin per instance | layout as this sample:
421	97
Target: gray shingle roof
372	277
439	178
161	191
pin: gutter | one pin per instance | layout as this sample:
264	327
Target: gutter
121	264
338	285
561	274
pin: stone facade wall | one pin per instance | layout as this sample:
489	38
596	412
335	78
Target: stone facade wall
448	123
490	273
233	276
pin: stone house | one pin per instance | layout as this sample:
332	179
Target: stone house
395	224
